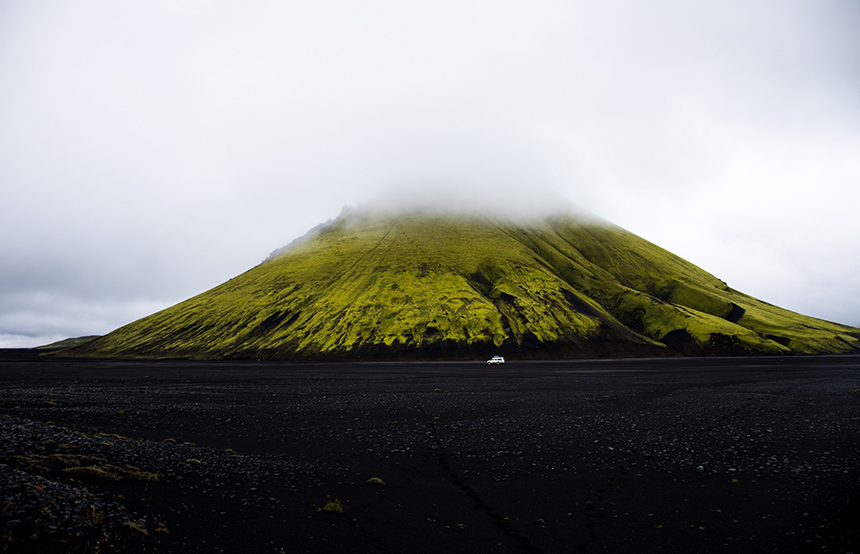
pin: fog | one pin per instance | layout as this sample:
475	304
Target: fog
151	151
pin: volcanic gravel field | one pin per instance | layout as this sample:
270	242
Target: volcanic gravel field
677	455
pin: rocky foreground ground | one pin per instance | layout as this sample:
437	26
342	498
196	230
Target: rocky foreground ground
681	455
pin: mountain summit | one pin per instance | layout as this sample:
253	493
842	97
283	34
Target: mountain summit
371	286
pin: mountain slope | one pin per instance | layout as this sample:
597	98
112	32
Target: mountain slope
67	343
428	286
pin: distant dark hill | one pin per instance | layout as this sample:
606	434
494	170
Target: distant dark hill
67	343
441	287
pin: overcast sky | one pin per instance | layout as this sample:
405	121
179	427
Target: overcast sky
152	150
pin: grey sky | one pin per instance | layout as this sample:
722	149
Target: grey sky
151	150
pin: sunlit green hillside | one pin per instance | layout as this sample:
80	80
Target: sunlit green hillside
424	286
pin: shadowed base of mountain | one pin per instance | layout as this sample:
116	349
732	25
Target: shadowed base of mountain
530	349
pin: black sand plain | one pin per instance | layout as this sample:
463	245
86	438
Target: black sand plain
668	455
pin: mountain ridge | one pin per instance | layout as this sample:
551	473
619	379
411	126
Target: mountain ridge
434	286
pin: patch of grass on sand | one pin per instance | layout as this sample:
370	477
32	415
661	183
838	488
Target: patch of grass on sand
131	524
85	466
113	473
332	506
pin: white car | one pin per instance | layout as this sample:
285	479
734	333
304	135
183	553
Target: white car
496	360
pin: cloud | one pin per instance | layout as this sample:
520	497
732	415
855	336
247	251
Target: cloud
36	319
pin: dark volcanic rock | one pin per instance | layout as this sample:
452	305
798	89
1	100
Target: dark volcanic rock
695	455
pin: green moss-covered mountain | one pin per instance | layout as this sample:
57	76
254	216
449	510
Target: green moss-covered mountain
440	287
